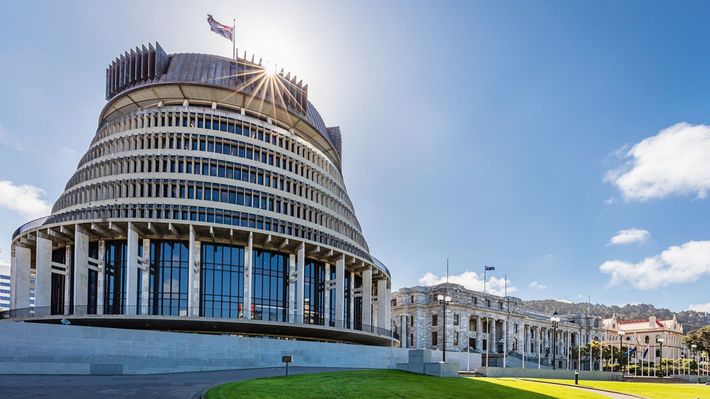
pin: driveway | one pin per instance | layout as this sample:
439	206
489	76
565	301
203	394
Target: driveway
178	385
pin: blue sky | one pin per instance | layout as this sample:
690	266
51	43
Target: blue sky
500	133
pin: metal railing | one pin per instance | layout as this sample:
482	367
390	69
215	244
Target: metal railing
143	310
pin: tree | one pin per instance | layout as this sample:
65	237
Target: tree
701	338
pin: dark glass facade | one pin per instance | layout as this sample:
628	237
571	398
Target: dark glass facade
57	283
357	319
114	277
222	281
168	278
270	286
331	299
346	306
314	292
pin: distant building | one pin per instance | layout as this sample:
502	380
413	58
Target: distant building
477	321
645	333
4	287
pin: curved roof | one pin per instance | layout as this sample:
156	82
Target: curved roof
150	65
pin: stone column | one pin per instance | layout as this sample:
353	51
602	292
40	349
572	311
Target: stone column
68	279
248	283
145	278
528	342
367	298
193	275
81	270
131	270
101	264
43	276
300	282
352	300
340	292
536	341
479	334
293	278
326	301
493	340
20	278
505	331
403	331
383	305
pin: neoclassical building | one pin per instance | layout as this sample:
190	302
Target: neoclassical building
487	323
650	333
210	199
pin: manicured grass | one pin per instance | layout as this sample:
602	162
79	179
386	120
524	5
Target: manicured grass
649	390
374	384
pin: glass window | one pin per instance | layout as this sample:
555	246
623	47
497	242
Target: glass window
115	277
168	278
314	292
222	281
434	320
270	285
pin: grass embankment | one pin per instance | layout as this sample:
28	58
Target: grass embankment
375	384
649	390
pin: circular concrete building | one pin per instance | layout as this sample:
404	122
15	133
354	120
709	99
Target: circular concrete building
211	199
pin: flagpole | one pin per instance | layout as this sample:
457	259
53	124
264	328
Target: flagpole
485	268
234	36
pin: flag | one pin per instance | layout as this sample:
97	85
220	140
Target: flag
645	352
630	351
225	31
490	268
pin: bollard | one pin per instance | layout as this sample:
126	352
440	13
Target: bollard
576	377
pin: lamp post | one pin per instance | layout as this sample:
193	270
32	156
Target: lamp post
695	347
621	350
661	341
444	300
555	322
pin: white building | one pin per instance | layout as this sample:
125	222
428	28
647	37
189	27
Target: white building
648	333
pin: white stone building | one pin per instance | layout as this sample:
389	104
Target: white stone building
646	333
486	323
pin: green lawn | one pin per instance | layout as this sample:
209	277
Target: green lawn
649	390
373	384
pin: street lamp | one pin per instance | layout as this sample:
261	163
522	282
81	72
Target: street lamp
555	322
660	361
621	349
695	347
444	300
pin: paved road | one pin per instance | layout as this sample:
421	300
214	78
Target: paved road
163	386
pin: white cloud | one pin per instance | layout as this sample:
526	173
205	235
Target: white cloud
677	264
705	307
536	285
562	300
630	236
23	199
674	161
470	280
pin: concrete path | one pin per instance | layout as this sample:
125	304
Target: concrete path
608	394
179	385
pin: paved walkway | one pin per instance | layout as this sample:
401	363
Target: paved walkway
608	394
179	385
